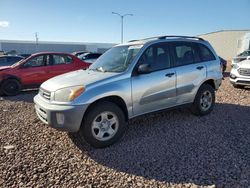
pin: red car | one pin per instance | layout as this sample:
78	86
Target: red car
33	71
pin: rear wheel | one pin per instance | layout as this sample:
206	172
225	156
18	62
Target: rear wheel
204	100
103	125
11	87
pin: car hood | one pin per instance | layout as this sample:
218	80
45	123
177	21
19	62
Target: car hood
244	64
75	78
4	67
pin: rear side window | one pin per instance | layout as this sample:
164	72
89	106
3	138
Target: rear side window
61	59
206	54
185	53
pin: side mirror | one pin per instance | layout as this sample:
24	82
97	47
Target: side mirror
143	69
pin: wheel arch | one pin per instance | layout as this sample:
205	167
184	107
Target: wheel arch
6	77
114	99
210	82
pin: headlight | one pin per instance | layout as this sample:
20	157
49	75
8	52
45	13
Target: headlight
68	94
235	66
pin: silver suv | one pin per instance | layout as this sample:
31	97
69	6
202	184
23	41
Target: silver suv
129	80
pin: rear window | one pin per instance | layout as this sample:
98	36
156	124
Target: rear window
205	53
61	59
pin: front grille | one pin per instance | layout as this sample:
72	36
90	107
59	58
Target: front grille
244	72
45	94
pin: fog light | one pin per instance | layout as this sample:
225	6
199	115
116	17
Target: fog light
60	118
232	76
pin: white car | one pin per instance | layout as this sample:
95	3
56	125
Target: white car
240	74
241	57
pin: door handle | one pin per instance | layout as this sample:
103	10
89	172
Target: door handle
200	67
169	74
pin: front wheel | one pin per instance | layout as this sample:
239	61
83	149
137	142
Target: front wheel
204	100
103	125
11	87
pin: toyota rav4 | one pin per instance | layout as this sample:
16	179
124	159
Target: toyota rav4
129	80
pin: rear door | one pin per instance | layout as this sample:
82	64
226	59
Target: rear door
155	90
60	64
190	70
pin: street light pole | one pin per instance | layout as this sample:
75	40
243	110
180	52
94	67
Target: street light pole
122	17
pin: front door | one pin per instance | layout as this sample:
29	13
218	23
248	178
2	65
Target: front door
157	89
35	71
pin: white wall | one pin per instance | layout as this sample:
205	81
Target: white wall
225	43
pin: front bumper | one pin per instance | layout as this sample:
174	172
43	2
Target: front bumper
237	79
62	117
240	81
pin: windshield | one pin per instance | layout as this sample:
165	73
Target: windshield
117	59
245	53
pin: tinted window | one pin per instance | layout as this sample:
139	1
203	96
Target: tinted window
3	60
37	61
93	56
61	59
185	53
206	54
157	57
13	59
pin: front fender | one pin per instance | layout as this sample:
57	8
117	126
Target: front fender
120	88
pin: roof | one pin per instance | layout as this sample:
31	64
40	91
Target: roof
159	38
220	31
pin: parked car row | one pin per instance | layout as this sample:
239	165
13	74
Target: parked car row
129	80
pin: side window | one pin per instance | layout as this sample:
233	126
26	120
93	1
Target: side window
206	54
13	59
61	59
185	53
3	60
157	57
37	61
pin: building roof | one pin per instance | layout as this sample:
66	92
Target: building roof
220	31
52	42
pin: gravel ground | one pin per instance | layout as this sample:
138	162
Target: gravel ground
166	149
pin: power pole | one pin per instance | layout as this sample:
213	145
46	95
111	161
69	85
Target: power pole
36	37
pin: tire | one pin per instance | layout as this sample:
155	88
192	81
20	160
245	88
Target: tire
103	125
204	100
11	87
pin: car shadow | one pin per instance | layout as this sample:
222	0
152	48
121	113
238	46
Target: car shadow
178	147
24	96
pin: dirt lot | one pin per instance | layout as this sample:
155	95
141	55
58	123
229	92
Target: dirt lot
166	149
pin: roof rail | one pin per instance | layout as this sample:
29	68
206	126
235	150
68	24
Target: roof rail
180	36
170	36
